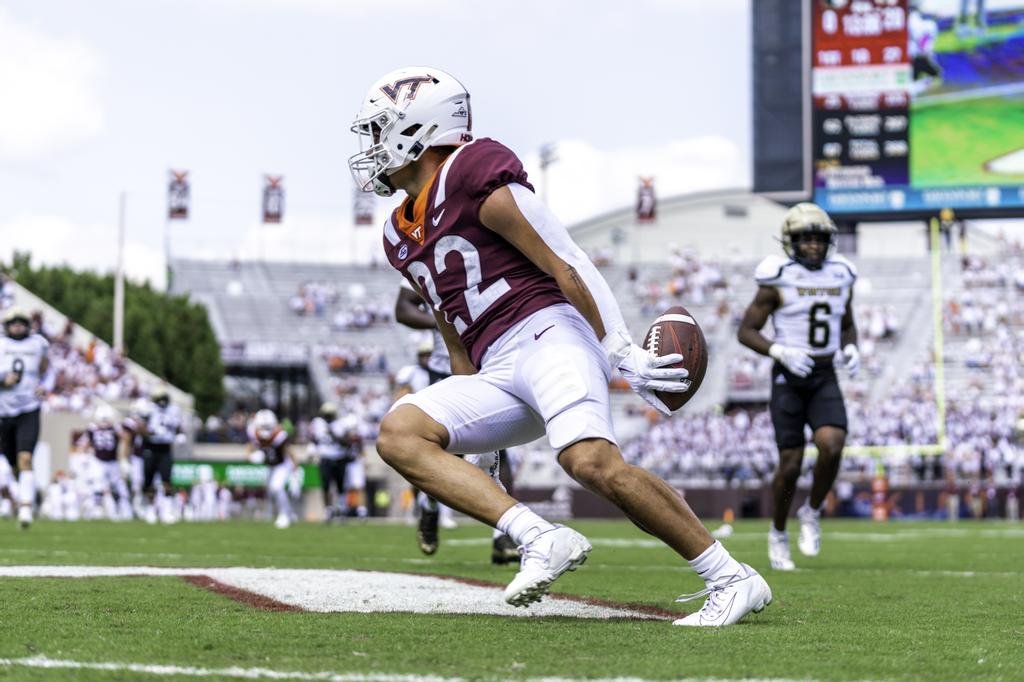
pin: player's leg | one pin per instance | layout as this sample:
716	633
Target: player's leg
277	491
827	417
26	436
465	415
354	485
503	549
788	408
165	462
326	478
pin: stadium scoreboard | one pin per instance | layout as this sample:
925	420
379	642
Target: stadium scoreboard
917	105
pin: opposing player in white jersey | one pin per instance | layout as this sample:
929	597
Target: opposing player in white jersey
533	331
24	380
809	297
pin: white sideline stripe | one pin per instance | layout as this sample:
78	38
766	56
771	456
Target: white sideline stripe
347	591
266	673
675	317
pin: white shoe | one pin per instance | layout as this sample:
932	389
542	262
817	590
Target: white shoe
150	515
551	554
282	522
778	551
729	599
810	531
448	523
25	516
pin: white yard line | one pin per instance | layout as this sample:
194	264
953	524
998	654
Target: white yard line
269	674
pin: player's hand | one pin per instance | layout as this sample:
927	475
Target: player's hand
126	469
796	360
257	457
851	359
11	378
647	373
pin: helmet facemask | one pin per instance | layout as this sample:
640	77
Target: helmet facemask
793	242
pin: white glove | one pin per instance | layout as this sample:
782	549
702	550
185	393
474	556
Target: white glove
645	372
796	360
126	468
851	359
257	457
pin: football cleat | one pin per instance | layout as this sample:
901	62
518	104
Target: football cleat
778	551
504	550
548	556
25	516
426	534
150	515
729	599
283	521
810	531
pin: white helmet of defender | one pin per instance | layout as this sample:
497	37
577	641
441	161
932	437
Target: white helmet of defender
403	114
104	415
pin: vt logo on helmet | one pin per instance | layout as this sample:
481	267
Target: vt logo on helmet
403	114
808	235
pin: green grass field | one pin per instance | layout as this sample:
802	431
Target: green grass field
890	601
952	142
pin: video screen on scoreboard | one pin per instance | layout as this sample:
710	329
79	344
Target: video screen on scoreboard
918	105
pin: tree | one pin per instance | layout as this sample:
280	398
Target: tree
168	335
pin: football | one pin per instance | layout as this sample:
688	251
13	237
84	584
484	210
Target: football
675	331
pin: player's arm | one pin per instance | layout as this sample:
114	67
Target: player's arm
461	364
516	214
848	339
766	301
409	311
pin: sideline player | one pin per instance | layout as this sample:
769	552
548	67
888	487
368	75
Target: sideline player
434	364
162	428
268	444
24	380
809	296
533	331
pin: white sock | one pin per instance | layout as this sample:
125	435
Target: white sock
27	486
715	563
778	534
522	525
284	505
496	534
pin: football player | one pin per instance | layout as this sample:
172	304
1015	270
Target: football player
162	428
533	332
102	437
339	449
268	444
809	297
24	381
131	450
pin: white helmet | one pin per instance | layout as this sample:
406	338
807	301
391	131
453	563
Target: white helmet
141	408
104	415
264	422
403	114
804	219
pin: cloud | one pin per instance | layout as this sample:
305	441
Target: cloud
54	240
587	181
49	90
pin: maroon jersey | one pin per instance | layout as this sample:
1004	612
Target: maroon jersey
482	284
274	446
103	441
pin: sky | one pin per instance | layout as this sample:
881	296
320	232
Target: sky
101	98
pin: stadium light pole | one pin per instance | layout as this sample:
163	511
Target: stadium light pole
548	156
119	280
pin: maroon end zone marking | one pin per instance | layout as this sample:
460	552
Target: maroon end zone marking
257	601
658	613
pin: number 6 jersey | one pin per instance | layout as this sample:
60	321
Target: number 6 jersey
481	283
813	301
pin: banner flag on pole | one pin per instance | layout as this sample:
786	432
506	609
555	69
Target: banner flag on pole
363	207
646	201
273	198
178	195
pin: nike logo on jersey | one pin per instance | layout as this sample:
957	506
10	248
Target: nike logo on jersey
437	219
541	333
